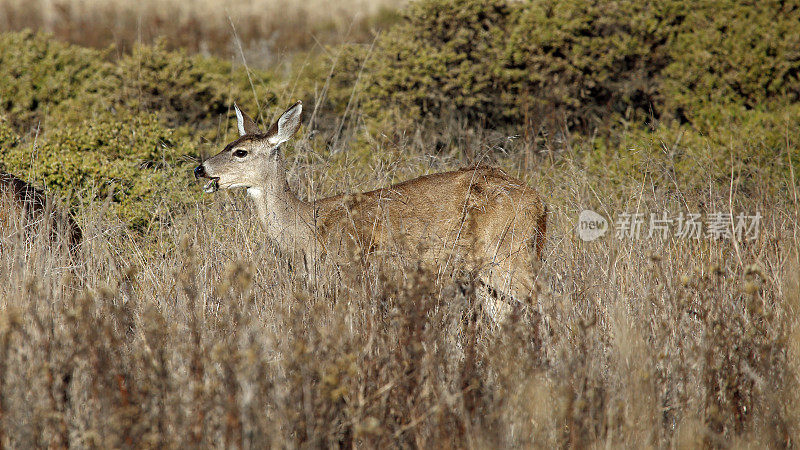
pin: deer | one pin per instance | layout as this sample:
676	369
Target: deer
479	217
24	209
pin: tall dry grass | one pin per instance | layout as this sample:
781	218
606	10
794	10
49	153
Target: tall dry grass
266	30
208	337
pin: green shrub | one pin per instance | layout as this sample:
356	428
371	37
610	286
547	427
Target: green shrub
584	64
502	63
44	80
733	53
752	148
8	137
447	55
39	74
186	90
135	159
715	83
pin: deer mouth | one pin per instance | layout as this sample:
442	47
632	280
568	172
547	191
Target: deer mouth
212	185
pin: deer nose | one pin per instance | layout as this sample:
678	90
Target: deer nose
199	172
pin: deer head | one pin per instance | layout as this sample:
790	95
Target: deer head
254	160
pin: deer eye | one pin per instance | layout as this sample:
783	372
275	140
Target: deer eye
240	153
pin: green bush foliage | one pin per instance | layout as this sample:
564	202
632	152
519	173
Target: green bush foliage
186	89
447	55
715	83
737	54
43	80
8	137
753	149
39	76
583	64
589	63
134	161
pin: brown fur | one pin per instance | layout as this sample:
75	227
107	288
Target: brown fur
477	217
23	208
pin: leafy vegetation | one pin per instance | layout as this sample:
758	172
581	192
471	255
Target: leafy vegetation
186	89
134	161
693	91
41	75
584	65
48	83
733	56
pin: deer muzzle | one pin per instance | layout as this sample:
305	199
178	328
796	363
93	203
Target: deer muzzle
213	182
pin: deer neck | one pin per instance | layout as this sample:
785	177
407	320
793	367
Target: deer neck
285	218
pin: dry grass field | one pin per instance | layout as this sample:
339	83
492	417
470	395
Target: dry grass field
266	30
210	339
196	332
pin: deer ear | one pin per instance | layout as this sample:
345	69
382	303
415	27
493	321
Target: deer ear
245	124
288	124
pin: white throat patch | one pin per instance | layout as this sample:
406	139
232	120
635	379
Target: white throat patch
256	193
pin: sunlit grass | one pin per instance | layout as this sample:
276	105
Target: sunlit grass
208	336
